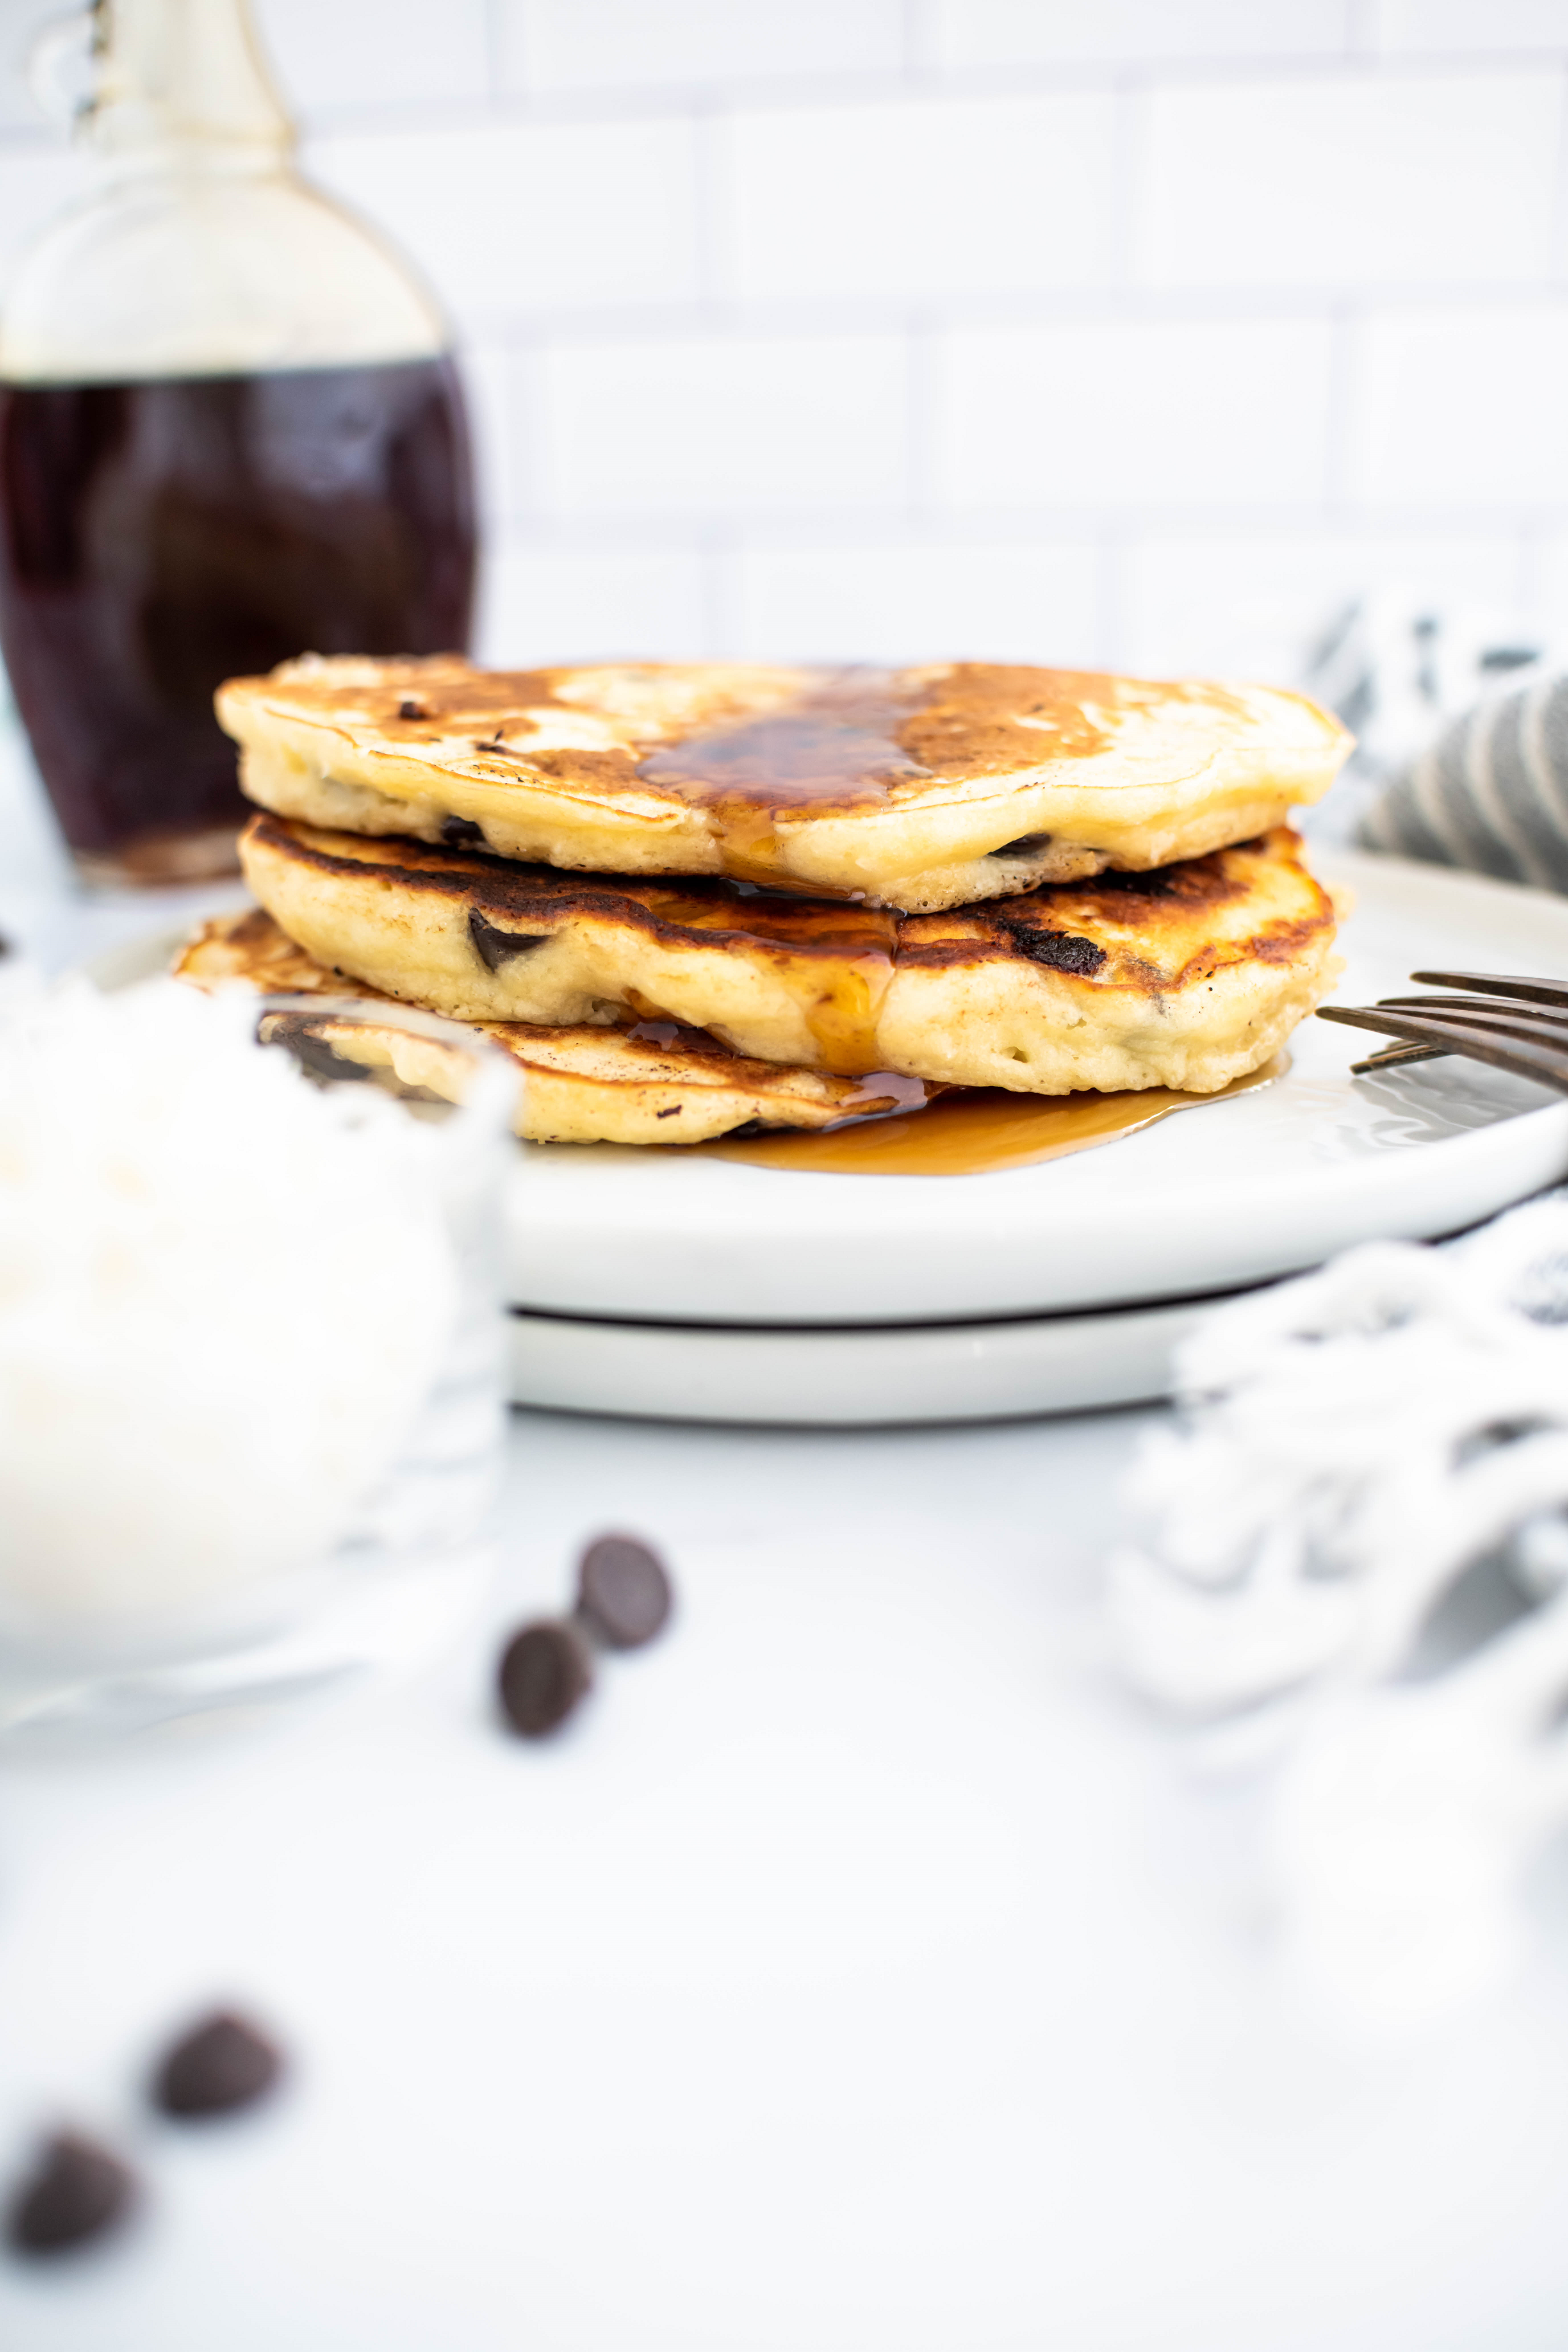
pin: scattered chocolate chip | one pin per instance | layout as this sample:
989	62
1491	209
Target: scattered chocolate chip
75	2191
457	830
409	708
545	1670
495	947
219	2065
622	1591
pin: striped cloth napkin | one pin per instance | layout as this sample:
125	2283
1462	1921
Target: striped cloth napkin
1491	793
1461	728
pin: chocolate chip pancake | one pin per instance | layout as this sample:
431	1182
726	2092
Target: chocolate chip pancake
1186	977
919	788
654	1083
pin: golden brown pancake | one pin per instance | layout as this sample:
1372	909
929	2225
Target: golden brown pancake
1186	977
920	789
654	1084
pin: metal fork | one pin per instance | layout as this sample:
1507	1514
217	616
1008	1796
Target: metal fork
1518	1023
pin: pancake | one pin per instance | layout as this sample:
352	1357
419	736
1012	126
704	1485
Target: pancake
1187	977
654	1084
919	788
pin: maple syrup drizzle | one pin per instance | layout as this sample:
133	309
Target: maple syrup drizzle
842	1016
839	986
972	1130
839	743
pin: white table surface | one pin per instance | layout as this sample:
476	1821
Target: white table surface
860	1971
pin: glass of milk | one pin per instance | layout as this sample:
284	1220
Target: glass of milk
251	1405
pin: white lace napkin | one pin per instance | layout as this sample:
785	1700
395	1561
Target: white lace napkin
1355	1579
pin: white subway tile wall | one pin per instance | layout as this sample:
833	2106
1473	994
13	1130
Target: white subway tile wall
904	599
507	219
919	199
1130	415
1349	181
387	53
1439	27
1135	331
1264	598
1465	406
561	45
1052	32
718	427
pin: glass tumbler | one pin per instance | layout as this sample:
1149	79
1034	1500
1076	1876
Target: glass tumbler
412	1546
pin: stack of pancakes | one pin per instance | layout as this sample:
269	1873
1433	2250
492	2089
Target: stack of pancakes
695	898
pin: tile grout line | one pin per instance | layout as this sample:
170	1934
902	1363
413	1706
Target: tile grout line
1128	130
1557	260
1364	30
712	204
847	317
496	46
720	549
861	86
1343	392
1112	549
920	420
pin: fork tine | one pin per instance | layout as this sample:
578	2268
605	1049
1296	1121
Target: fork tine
1497	983
1394	1057
1545	1061
1515	1021
1492	1014
1485	1008
1488	1015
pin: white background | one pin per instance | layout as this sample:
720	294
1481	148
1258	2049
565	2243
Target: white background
858	1973
1139	331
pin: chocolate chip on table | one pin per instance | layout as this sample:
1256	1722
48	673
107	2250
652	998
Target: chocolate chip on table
622	1591
220	2064
545	1670
77	2190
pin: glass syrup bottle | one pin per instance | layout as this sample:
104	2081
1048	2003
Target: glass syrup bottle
231	431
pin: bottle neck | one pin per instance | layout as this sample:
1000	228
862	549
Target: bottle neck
180	85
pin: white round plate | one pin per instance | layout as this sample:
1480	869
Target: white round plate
697	1288
873	1374
709	1290
1228	1194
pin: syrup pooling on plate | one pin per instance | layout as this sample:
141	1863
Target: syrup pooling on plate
838	746
974	1131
